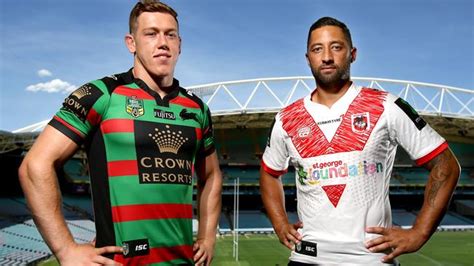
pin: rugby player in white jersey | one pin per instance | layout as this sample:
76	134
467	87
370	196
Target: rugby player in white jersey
342	140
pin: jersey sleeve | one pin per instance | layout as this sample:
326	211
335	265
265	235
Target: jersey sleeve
82	110
275	159
409	130
207	143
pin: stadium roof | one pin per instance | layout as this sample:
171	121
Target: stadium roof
254	102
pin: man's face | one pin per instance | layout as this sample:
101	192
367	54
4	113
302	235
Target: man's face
156	43
329	55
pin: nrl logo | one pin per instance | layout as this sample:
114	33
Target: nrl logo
126	249
134	107
298	247
360	122
304	132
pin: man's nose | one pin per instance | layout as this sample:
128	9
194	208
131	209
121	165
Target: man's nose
162	42
327	56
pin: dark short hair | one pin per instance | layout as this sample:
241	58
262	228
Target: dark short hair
329	21
149	6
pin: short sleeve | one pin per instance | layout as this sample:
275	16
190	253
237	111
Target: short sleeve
276	157
207	146
412	132
81	111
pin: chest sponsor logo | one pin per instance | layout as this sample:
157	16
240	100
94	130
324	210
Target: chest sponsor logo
165	153
360	122
320	173
164	114
134	106
81	100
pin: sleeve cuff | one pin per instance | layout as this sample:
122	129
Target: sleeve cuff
63	127
432	154
271	171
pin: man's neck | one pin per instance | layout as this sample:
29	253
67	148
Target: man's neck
328	95
160	85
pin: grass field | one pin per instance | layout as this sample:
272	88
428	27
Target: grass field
444	248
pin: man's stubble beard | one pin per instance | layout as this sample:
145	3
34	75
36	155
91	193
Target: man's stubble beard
340	77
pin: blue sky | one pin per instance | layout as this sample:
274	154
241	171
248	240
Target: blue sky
48	47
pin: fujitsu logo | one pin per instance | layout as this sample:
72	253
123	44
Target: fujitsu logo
81	92
167	140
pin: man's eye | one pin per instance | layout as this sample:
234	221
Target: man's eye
172	35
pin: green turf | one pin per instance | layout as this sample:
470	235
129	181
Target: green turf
444	248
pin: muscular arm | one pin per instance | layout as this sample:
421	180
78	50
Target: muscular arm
39	181
443	178
209	187
40	184
273	198
444	175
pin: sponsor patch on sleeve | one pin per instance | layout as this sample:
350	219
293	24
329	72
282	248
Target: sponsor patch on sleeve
81	100
411	113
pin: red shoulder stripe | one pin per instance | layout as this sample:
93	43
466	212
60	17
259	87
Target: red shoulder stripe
186	102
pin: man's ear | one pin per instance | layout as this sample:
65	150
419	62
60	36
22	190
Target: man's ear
130	43
353	54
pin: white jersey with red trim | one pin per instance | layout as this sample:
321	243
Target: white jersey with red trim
343	158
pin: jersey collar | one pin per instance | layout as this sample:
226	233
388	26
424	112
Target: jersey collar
173	90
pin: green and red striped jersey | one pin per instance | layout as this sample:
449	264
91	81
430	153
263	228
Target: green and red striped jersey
141	150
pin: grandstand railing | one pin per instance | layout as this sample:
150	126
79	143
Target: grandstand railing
271	94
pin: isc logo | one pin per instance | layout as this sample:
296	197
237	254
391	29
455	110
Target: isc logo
141	247
310	249
138	247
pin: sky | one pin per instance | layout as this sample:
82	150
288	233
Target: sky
50	47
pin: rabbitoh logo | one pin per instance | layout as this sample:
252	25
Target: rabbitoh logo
167	140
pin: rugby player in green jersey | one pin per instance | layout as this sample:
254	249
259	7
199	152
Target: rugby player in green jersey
145	138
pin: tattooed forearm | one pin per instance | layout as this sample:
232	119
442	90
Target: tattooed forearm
439	175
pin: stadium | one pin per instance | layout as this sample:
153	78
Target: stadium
243	112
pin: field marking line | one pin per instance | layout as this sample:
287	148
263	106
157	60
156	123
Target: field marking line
430	259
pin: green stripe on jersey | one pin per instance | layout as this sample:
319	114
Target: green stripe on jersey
124	146
160	233
126	190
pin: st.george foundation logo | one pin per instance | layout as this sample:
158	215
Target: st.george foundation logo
165	153
324	173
